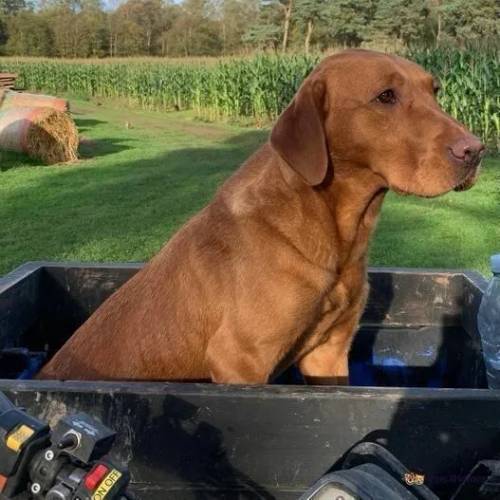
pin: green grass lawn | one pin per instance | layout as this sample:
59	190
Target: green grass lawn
144	173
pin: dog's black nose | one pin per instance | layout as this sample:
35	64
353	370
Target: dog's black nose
468	150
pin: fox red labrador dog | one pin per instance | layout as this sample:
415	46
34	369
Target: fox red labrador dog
273	271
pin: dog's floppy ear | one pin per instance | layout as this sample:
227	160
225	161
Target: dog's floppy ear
299	136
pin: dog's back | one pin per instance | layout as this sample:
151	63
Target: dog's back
157	325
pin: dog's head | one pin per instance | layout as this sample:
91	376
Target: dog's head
380	112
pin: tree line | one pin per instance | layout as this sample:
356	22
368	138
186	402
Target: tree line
89	28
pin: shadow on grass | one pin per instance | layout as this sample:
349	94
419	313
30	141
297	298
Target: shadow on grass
11	159
87	149
93	148
85	124
115	212
127	212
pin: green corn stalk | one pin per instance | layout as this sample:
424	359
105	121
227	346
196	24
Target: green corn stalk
256	88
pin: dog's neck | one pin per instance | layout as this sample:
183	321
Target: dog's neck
330	224
350	199
354	196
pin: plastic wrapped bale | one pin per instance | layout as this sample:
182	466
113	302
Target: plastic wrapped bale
11	99
42	133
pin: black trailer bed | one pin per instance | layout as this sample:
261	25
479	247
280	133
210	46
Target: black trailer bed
212	441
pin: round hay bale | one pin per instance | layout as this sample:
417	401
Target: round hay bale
42	133
11	99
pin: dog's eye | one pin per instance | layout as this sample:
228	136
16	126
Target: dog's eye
387	97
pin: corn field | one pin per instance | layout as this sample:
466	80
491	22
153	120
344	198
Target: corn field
258	87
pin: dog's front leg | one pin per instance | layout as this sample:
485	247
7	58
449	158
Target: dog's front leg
260	327
327	364
232	362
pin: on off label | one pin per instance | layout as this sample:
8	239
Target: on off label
106	485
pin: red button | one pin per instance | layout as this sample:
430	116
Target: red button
3	482
95	476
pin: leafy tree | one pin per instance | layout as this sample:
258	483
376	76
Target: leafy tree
140	27
436	20
29	34
402	20
65	37
170	12
84	28
471	20
266	32
126	36
284	10
262	36
92	27
350	21
147	16
309	13
234	16
287	6
77	27
8	7
195	30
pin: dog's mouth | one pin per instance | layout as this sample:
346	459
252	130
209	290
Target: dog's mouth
463	184
469	180
400	191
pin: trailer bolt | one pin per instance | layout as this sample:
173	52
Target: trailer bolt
49	455
35	488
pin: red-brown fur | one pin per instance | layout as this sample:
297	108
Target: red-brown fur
273	270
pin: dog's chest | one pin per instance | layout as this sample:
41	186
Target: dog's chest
348	291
